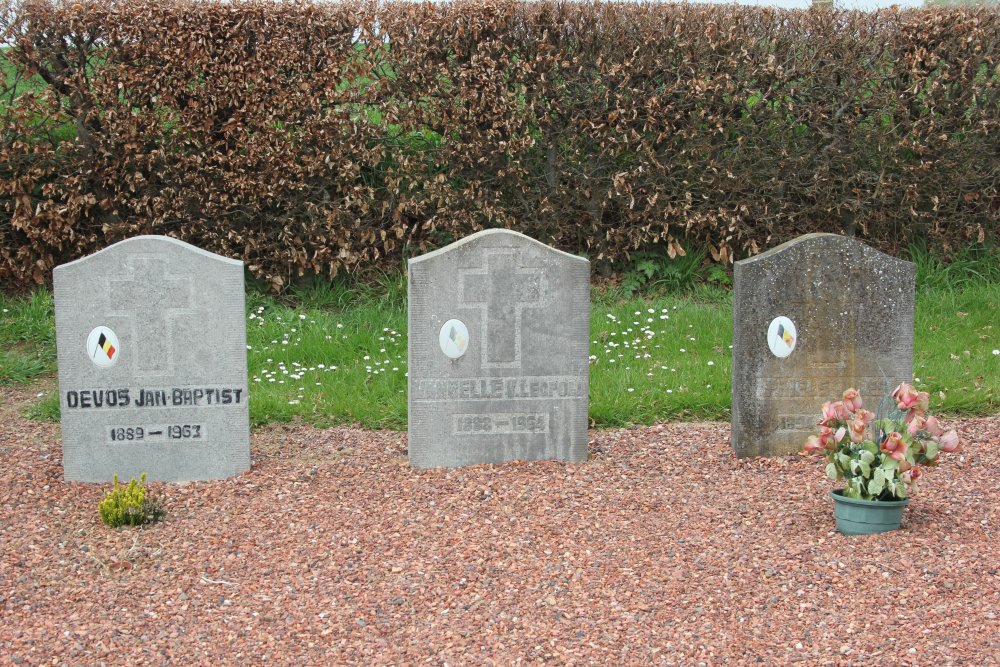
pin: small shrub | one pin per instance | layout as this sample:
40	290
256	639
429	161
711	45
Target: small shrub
129	504
654	272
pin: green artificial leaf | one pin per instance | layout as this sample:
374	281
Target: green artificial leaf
933	449
844	460
854	467
866	469
871	448
875	485
879	477
831	471
889	463
866	456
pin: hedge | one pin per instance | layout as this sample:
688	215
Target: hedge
314	138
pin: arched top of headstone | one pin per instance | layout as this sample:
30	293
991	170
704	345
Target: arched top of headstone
148	243
823	242
504	236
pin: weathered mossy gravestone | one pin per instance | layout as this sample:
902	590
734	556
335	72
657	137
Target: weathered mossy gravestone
499	328
812	318
151	342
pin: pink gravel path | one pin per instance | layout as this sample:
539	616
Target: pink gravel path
663	549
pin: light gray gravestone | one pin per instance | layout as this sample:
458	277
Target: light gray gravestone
811	318
151	343
499	328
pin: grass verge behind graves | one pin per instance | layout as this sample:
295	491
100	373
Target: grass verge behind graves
332	353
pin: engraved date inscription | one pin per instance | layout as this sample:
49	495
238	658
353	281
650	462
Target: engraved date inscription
500	423
157	433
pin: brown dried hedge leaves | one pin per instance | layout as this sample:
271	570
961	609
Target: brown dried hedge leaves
314	138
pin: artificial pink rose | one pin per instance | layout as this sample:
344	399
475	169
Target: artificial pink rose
858	426
813	445
949	442
908	398
918	424
839	435
867	416
911	475
852	400
833	413
894	446
905	395
932	426
826	438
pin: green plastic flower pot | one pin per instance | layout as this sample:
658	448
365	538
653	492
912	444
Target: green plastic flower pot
866	517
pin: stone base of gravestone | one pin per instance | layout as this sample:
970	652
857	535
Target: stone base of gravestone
499	328
151	342
812	318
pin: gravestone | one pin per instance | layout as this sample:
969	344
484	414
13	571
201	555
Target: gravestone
812	318
499	328
151	343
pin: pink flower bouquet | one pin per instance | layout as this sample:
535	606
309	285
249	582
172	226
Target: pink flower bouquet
880	458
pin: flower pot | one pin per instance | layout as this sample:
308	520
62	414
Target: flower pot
866	517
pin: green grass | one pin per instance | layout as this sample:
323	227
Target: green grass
27	338
955	335
335	352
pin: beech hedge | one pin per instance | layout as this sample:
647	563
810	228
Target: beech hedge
314	138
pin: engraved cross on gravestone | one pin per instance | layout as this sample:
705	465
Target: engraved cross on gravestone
153	350
502	295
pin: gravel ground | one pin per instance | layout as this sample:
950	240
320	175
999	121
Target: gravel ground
663	549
